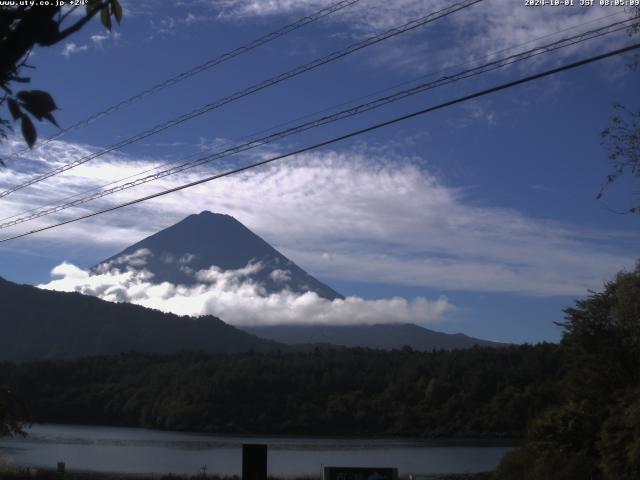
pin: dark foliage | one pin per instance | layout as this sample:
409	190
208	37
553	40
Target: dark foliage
595	432
622	137
13	413
38	323
480	392
622	141
22	27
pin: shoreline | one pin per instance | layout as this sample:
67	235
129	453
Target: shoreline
103	437
498	441
29	473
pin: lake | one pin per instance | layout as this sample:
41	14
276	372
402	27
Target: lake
133	450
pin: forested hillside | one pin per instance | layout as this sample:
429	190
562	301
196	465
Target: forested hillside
480	392
37	323
595	430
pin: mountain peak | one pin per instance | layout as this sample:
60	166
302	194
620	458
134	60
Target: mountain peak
204	240
206	215
207	218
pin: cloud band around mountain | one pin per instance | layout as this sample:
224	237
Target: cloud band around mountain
236	298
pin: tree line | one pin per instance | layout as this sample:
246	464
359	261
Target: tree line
479	392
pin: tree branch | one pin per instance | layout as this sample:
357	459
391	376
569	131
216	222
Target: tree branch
81	23
63	17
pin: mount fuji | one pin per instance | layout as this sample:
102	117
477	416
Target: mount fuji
207	240
210	240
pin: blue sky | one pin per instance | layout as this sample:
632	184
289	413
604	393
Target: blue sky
490	204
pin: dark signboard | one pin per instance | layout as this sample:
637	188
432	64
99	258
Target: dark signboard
254	462
357	473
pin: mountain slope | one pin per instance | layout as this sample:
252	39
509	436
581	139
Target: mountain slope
202	241
209	239
38	323
386	337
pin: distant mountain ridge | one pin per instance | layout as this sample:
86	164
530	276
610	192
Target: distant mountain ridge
211	239
383	336
38	324
208	239
41	324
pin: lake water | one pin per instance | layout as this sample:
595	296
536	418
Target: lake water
132	450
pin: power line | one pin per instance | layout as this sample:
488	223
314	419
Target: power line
342	104
341	115
308	115
352	134
413	24
292	121
301	22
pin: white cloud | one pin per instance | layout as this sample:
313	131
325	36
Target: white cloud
186	258
234	297
497	22
372	14
72	48
465	36
99	39
280	276
455	41
138	258
191	19
363	215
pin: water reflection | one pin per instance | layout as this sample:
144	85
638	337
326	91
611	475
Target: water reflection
129	450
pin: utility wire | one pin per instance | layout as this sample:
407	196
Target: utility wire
333	107
352	134
327	109
335	7
325	120
413	24
347	113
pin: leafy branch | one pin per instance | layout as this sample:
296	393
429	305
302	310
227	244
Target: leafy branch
21	29
622	140
622	137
